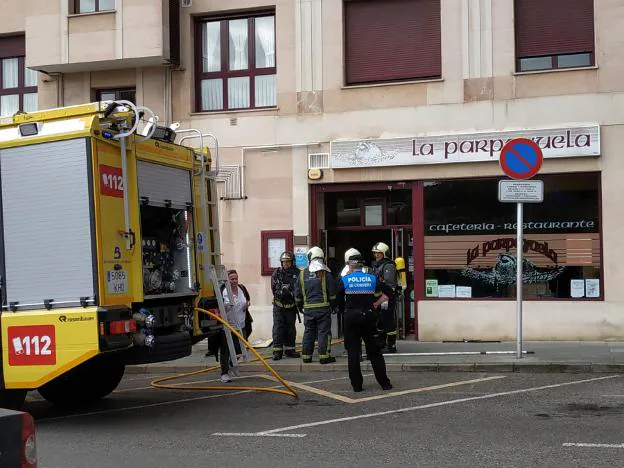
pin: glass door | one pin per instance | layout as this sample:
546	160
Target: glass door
402	248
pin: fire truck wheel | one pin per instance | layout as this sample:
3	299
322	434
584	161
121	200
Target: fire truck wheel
84	385
12	399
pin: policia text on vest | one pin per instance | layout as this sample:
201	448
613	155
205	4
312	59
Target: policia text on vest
362	295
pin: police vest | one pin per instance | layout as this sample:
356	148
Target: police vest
359	282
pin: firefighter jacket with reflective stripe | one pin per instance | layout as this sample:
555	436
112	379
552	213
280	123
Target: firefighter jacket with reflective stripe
283	283
315	290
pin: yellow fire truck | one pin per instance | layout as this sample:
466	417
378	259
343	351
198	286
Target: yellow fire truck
108	237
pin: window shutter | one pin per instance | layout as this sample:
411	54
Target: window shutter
174	32
553	27
391	40
12	46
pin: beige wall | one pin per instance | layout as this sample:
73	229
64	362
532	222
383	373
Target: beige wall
13	16
479	91
134	34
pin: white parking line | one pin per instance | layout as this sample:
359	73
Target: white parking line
586	444
346	399
427	406
171	402
251	434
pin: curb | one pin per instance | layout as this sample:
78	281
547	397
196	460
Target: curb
545	368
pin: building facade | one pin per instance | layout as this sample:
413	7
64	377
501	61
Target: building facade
347	122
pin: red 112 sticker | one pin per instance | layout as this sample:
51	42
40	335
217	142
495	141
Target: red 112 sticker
33	345
111	181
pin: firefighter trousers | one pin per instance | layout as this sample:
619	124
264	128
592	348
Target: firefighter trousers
387	325
317	323
284	331
360	326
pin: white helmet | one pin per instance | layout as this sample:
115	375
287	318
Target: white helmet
315	252
350	253
381	248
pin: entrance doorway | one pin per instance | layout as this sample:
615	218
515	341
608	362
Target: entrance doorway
400	240
339	241
360	218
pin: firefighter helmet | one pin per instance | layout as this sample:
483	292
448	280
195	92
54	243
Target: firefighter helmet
381	248
315	252
350	253
287	257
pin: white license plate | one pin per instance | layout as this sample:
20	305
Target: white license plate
117	281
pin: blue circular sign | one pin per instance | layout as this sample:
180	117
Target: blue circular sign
521	158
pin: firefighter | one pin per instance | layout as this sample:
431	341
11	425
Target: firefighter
363	294
386	272
284	309
315	293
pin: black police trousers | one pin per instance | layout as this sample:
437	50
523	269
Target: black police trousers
360	326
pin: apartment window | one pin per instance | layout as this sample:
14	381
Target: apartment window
554	34
236	63
391	40
91	6
470	240
18	84
126	94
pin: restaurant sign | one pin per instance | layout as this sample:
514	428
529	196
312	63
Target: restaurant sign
577	141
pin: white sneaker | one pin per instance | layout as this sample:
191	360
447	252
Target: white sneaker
225	378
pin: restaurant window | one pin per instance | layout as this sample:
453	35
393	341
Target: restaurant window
391	40
554	34
18	84
470	240
235	63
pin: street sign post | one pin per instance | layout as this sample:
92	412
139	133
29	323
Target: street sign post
520	158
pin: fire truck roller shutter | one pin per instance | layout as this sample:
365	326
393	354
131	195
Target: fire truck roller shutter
159	183
47	222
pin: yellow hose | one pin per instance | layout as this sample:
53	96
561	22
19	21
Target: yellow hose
289	390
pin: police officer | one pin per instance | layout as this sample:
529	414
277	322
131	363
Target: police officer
345	270
386	272
315	293
363	294
283	283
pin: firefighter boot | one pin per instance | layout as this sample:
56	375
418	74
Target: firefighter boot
392	343
277	355
292	353
327	360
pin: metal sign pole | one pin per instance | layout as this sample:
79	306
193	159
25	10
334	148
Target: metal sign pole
519	280
520	158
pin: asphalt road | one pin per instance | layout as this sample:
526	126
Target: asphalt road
428	419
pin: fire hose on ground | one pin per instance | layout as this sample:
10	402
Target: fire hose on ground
159	383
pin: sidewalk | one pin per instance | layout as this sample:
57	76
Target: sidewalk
538	356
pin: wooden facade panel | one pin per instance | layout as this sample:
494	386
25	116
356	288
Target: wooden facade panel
544	250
